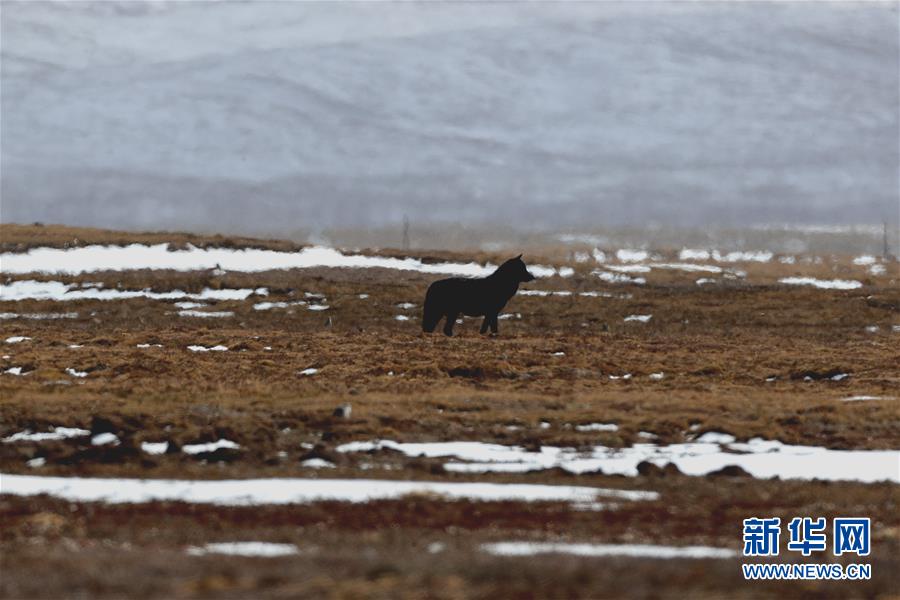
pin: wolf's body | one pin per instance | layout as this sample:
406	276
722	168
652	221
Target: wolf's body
486	296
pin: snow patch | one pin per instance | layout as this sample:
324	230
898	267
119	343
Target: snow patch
209	447
597	427
825	284
263	549
250	492
640	318
631	550
55	433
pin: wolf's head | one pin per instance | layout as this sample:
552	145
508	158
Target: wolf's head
515	270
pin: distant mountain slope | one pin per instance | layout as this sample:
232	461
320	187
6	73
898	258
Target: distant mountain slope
232	115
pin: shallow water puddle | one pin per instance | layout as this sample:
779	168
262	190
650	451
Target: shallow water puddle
632	550
711	452
250	492
263	549
88	259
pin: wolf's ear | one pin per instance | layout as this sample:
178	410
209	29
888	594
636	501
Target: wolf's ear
519	257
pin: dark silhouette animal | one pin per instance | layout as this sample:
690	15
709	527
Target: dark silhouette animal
485	296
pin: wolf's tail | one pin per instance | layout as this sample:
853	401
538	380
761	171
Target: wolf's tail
430	313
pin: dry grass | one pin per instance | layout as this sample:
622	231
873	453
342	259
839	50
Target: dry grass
716	344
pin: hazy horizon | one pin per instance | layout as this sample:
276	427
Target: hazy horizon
281	117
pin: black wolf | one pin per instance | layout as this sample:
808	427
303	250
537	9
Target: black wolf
474	297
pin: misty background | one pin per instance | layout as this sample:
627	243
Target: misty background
330	119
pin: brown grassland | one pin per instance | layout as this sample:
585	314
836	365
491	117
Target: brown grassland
745	356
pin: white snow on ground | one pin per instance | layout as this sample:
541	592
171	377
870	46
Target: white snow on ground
713	451
697	254
186	305
56	290
55	433
401	318
317	463
692	254
35	463
209	447
715	437
640	318
872	328
76	346
14	371
866	398
704	280
629	268
759	256
271	305
157	346
155	447
15	339
263	549
632	550
543	293
656	376
318	307
688	267
406	305
363	296
617	277
88	259
75	373
597	427
309	371
105	439
825	284
249	492
864	260
205	314
37	316
626	255
877	270
219	348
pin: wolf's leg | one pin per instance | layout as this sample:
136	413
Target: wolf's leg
484	324
494	328
430	318
451	320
